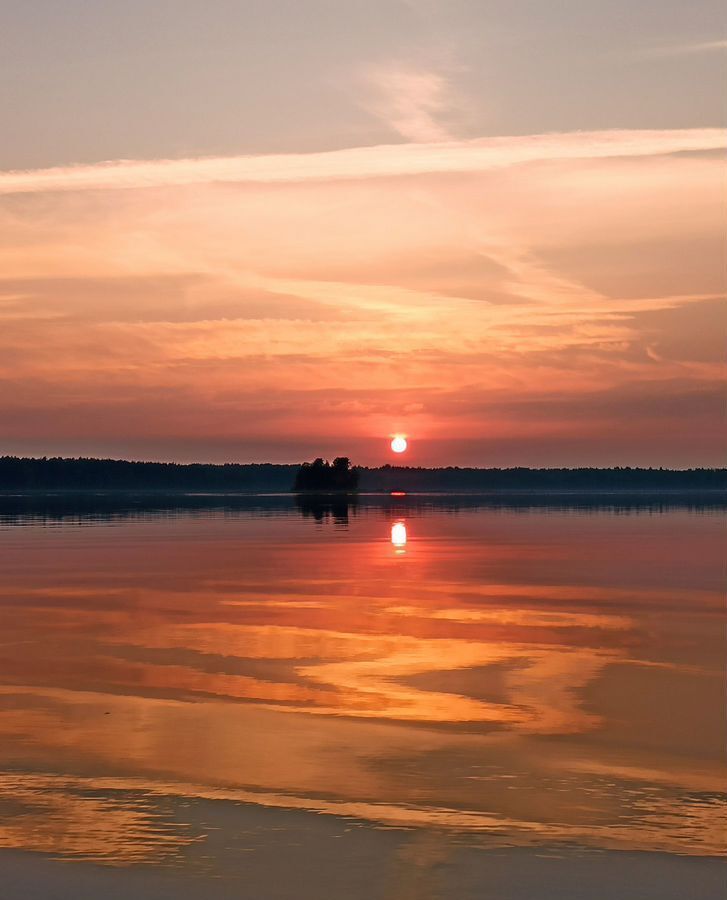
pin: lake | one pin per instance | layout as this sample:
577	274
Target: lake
406	699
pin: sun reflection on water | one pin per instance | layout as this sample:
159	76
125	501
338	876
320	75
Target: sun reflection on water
398	536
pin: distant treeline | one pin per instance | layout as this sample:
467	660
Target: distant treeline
454	479
59	474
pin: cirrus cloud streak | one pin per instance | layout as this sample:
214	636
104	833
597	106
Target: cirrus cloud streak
366	162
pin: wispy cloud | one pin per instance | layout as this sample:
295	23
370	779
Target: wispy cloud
478	155
410	101
688	49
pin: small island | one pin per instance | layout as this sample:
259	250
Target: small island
320	476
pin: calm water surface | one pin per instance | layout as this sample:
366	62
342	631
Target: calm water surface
394	703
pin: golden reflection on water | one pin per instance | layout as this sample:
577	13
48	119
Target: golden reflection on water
527	678
398	535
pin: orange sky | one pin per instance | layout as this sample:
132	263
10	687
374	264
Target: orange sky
558	309
511	256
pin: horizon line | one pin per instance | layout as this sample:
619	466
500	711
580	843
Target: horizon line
153	462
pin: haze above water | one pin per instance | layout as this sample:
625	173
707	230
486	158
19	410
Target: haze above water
394	702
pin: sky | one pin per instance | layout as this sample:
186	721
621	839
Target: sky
250	231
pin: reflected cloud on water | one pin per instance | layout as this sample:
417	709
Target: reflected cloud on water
521	680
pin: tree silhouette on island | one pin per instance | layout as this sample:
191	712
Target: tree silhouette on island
320	476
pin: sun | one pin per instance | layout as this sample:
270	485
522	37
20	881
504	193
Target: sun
399	444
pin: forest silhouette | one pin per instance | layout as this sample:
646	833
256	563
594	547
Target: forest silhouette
20	474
